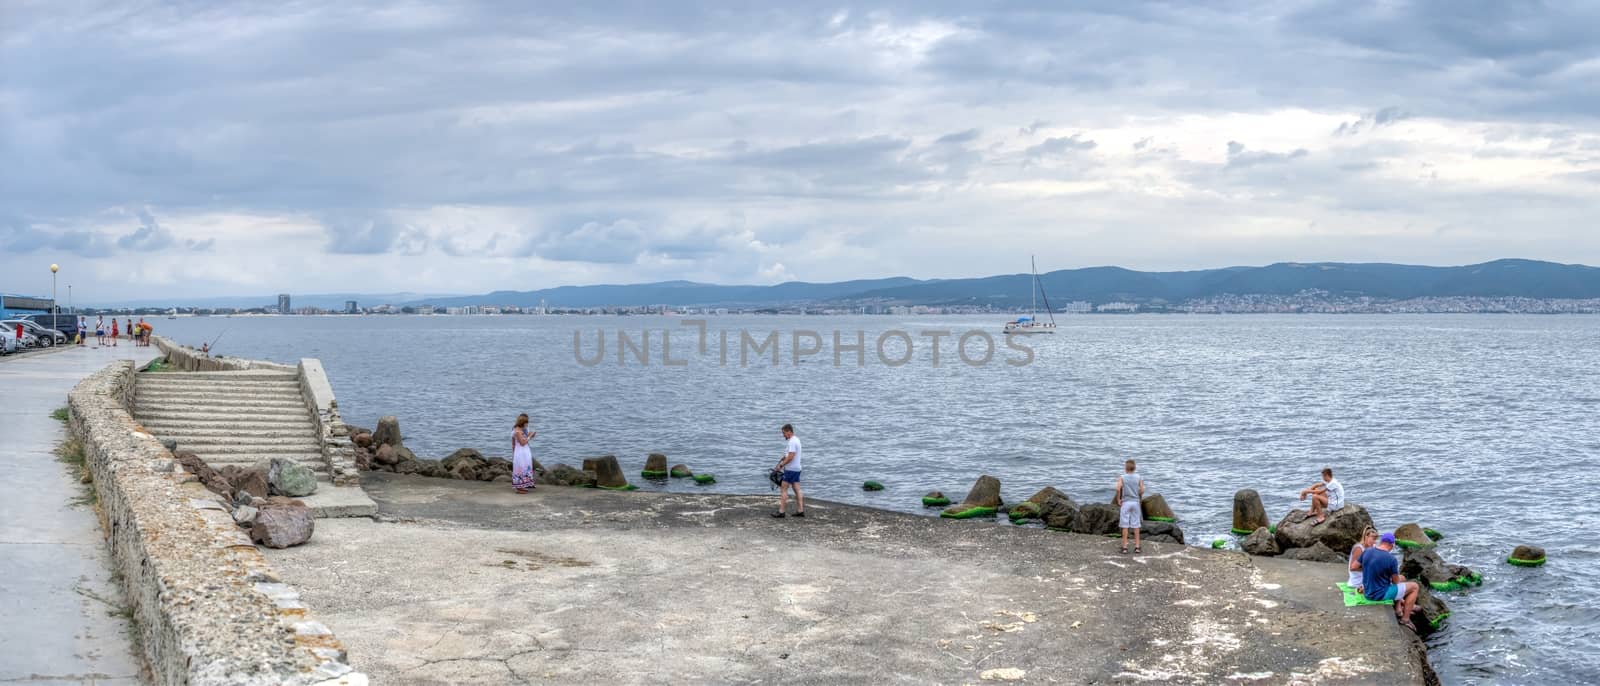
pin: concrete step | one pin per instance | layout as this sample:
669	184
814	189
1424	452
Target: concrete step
225	433
221	376
223	413
303	443
298	424
216	394
234	403
166	381
216	461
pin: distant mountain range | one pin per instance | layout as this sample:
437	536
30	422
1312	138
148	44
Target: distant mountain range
1500	278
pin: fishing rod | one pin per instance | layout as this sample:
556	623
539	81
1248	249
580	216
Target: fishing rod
213	344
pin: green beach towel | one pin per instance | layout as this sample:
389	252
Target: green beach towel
1352	597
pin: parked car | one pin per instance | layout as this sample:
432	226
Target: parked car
67	324
8	342
45	335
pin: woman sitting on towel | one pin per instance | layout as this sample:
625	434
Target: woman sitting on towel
1369	538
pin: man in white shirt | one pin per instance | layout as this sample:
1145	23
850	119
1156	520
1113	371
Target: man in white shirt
1326	496
790	467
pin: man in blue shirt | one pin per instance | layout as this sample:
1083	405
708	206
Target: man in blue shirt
1381	580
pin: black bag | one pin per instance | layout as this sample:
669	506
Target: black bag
776	477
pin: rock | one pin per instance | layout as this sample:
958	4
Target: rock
385	455
434	469
985	493
244	515
280	524
871	486
1155	508
565	475
467	456
363	458
1432	534
208	477
290	478
588	464
1316	553
1161	532
242	498
1430	612
1248	512
1341	530
170	444
252	481
362	439
1024	510
608	474
1412	536
1527	556
408	467
388	432
935	499
655	464
1046	494
680	471
1097	519
1425	565
463	471
1260	542
404	454
704	479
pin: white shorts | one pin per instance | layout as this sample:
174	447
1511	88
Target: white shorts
1132	515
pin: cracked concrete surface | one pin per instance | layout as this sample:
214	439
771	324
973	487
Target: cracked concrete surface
469	583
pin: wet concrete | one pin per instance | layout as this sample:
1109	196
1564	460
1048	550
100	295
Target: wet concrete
60	620
470	583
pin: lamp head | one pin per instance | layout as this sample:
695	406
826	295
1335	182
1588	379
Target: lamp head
55	268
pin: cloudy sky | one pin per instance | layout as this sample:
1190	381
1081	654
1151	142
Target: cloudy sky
213	148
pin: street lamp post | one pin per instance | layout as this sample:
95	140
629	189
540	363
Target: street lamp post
53	309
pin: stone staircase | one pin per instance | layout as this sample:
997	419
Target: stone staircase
239	418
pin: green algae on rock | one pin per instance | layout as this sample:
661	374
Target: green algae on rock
871	486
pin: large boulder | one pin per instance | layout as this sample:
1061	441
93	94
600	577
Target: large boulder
1155	508
681	471
388	431
985	493
566	475
290	478
281	523
1430	612
246	480
1047	494
1411	535
607	473
1260	542
1340	531
362	439
1161	532
1023	511
1526	556
467	456
1056	509
655	465
1316	553
1248	512
589	463
1098	519
1425	565
935	499
385	456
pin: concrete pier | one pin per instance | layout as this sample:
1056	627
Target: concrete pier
465	582
61	614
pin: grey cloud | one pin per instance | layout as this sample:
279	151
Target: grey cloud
1054	147
1375	120
1033	128
372	236
1239	157
959	138
148	237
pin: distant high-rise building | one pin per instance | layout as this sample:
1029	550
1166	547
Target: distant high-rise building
283	303
350	307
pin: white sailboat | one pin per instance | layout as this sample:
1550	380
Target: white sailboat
1031	324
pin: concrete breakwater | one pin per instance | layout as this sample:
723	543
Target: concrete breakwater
207	607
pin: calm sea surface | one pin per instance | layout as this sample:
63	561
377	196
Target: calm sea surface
1484	427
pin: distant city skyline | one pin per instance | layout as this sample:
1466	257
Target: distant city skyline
239	149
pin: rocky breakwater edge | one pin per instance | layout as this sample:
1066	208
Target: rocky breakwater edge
207	607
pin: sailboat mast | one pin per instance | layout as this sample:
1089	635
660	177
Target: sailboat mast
1033	293
1047	308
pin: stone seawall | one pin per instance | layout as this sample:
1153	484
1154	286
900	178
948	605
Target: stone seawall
188	359
207	606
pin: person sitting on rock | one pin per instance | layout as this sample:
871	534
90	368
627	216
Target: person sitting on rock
1130	493
1381	580
1369	537
1326	495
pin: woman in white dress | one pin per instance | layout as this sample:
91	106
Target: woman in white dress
522	455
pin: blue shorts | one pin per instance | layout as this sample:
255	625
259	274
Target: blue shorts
791	477
1395	591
